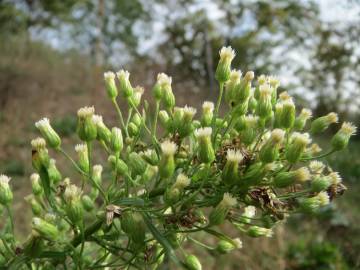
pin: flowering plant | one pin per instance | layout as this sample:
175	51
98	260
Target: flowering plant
173	175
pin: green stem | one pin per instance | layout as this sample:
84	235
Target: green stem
321	156
8	209
120	116
217	107
157	107
200	243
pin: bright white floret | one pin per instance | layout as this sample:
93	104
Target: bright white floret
86	112
228	200
302	138
265	90
249	211
227	53
332	117
97	119
123	74
303	174
38	143
316	166
234	156
323	198
182	181
277	135
35	178
163	79
189	111
203	132
81	148
235	76
348	128
305	114
168	148
97	169
43	123
109	76
208	107
4	180
335	178
71	193
238	243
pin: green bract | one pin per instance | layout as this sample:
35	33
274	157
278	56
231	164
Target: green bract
250	166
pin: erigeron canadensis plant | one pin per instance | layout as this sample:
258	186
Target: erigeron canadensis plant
175	173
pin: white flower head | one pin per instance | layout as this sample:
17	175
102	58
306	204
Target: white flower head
35	178
123	74
109	76
43	123
306	114
302	174
302	138
38	143
285	96
235	76
238	243
97	120
332	117
249	76
203	132
317	166
249	211
189	111
315	148
234	156
323	198
4	180
164	80
227	54
97	169
228	200
335	178
72	193
348	128
265	90
168	148
182	181
262	79
273	81
208	107
277	135
81	148
86	112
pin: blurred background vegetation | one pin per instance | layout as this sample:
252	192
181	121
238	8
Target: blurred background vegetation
53	54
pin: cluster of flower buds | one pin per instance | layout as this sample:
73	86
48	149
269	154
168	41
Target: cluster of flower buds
164	181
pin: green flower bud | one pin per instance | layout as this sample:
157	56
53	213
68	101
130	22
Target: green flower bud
243	90
249	133
223	70
342	137
206	153
50	135
45	229
254	174
116	142
110	85
133	130
192	262
33	246
230	173
256	231
150	156
121	167
297	146
54	174
163	81
133	225
230	86
96	174
35	206
136	119
125	85
103	132
168	98
301	120
6	195
74	208
220	212
36	185
252	104
164	119
137	164
83	158
278	115
40	155
285	179
264	107
322	123
311	205
87	203
207	113
287	118
172	195
167	162
136	97
225	246
269	152
149	174
320	183
178	118
86	127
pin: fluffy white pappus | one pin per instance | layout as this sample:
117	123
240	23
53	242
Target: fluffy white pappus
87	111
234	156
123	74
228	200
208	107
168	148
332	117
203	132
163	79
109	76
227	53
43	123
38	143
348	128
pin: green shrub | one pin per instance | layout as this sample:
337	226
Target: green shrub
251	167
